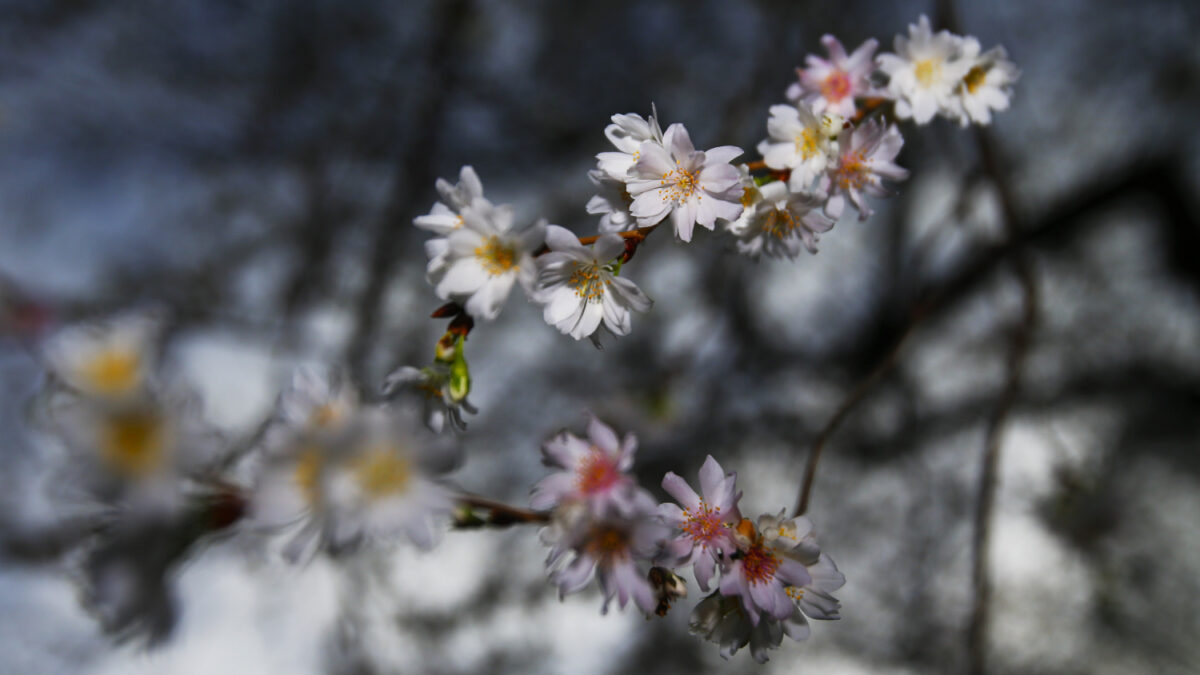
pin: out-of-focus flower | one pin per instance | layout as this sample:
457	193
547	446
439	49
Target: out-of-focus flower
777	222
832	85
926	69
579	289
135	453
692	187
444	399
108	360
866	158
627	133
797	142
372	480
612	204
445	216
593	473
610	548
706	522
484	258
987	86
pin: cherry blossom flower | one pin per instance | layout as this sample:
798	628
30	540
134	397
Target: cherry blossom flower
797	142
706	522
777	222
926	69
627	133
608	547
612	204
594	473
371	480
446	215
105	360
832	85
770	559
866	158
692	187
579	289
987	86
484	258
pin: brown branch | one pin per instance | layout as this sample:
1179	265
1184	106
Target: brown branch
500	514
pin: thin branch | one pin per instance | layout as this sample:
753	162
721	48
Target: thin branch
500	514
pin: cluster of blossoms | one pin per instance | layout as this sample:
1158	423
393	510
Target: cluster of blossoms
333	473
604	525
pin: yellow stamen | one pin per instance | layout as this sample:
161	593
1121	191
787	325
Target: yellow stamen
496	257
975	78
134	443
382	472
307	473
112	371
928	71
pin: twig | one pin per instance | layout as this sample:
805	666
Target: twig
501	514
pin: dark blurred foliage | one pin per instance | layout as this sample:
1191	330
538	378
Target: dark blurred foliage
254	167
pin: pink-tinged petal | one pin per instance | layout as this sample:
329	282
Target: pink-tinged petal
574	576
797	627
670	512
686	211
860	61
653	161
677	140
704	567
712	478
723	154
628	449
771	598
683	226
558	452
650	205
602	435
793	573
837	53
549	491
683	493
719	177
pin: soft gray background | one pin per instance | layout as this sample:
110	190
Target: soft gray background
253	167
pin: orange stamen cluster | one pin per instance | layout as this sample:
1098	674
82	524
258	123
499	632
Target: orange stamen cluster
597	472
680	183
704	524
496	257
836	86
607	542
852	172
587	283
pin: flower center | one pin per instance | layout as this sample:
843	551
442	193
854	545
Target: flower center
852	173
759	564
496	257
307	474
587	283
382	472
597	472
780	223
807	143
975	79
607	542
112	371
836	86
134	443
681	184
704	524
928	71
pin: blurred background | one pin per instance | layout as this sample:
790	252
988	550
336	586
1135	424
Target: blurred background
252	169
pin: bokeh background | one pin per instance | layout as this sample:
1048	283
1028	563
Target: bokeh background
252	168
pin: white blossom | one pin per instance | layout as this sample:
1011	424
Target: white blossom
612	204
865	160
798	142
674	179
484	258
777	222
627	133
926	69
579	289
987	86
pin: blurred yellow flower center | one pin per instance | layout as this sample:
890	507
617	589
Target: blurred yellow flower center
928	71
134	443
382	472
307	473
780	223
853	171
807	144
495	257
112	371
975	78
325	415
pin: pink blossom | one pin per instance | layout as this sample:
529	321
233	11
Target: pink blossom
832	85
705	522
